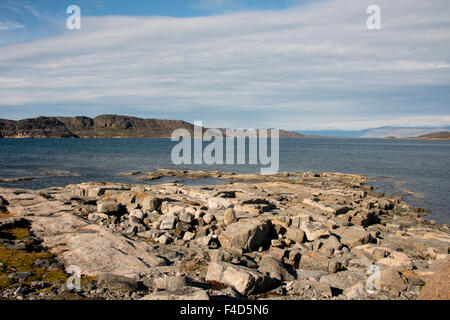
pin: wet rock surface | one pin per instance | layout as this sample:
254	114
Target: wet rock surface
296	235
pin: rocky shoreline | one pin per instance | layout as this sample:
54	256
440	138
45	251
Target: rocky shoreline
293	235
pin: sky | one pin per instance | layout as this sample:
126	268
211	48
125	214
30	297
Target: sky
290	64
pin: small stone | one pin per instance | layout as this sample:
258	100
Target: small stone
188	236
186	217
150	203
356	291
333	243
199	214
164	239
208	218
229	216
168	223
276	243
296	235
293	257
138	214
334	266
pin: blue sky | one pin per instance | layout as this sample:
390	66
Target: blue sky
241	63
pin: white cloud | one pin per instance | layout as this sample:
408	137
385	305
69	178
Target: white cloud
10	25
302	68
213	5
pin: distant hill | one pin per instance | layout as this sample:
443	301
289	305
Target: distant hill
103	126
380	132
42	127
443	135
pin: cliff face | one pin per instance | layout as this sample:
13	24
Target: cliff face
104	126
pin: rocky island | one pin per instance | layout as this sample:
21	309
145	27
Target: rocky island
293	235
103	126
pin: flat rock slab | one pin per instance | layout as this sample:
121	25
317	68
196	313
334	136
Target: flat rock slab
91	247
187	293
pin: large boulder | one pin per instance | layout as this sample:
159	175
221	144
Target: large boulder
168	223
149	202
296	235
397	260
245	235
244	280
438	287
219	204
391	279
109	207
314	260
229	216
354	236
275	269
314	230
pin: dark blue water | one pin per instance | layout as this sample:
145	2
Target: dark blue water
419	170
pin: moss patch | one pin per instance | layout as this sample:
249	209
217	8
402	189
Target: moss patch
18	233
24	261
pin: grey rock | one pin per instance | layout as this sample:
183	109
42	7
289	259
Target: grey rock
245	235
314	260
186	293
296	235
116	282
245	280
354	236
209	218
314	230
138	214
150	203
186	217
188	236
275	269
219	204
171	282
229	216
19	276
168	223
109	207
333	243
309	288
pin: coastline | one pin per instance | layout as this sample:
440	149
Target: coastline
294	235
